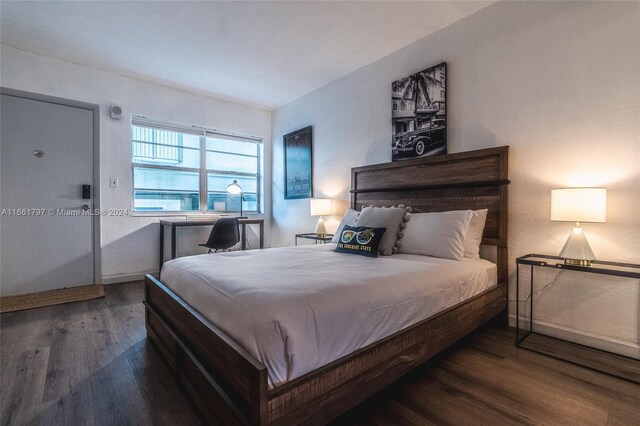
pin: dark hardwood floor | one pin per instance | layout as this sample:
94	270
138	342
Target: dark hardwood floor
89	363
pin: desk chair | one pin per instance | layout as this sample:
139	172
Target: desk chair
224	235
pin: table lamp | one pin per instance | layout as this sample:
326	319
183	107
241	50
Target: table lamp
578	205
235	188
320	207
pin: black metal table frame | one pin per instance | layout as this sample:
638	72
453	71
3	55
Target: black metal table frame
196	222
315	237
594	269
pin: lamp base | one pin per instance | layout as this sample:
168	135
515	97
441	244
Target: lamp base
321	231
576	250
577	262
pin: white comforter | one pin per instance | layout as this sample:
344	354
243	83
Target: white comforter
298	308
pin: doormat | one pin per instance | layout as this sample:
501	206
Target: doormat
49	298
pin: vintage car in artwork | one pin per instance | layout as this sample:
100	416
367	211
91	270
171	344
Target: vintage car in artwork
429	136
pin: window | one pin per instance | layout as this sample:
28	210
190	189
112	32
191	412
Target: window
229	160
188	168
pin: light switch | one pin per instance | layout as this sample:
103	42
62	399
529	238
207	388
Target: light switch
114	182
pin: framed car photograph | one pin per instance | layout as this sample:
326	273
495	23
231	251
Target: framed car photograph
419	114
298	163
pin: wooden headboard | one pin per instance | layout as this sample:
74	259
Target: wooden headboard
466	180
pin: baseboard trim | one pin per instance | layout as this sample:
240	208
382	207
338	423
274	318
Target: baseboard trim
621	347
123	278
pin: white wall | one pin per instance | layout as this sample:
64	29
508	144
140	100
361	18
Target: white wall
130	244
559	83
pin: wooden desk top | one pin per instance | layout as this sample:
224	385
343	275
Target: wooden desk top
204	222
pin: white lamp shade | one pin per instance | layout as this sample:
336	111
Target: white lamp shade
579	205
234	188
320	206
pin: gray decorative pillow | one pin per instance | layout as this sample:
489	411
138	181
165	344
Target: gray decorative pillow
349	219
391	218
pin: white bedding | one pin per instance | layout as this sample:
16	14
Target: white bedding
298	308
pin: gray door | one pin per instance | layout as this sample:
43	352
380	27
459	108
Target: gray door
46	238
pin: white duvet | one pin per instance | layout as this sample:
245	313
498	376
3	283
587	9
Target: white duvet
298	308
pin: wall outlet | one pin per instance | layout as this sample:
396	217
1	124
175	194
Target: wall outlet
114	182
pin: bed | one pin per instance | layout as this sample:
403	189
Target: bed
239	365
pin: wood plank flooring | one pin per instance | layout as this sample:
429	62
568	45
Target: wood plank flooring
617	365
89	363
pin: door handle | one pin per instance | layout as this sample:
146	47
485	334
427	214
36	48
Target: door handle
86	192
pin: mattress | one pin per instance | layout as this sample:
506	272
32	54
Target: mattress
299	308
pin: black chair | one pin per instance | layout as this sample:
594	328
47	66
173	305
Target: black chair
224	235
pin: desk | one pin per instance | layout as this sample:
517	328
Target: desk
173	224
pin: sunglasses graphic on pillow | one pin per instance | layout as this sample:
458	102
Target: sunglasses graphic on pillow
362	237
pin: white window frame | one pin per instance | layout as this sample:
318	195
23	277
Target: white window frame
203	132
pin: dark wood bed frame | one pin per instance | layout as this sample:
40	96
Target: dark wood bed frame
228	385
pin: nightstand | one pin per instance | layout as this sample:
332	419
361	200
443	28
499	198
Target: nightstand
315	237
595	359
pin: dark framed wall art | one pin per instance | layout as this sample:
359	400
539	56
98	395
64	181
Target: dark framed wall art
298	163
419	114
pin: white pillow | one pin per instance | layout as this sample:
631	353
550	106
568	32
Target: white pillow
474	236
349	218
437	234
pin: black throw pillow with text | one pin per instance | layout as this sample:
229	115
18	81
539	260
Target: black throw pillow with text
360	240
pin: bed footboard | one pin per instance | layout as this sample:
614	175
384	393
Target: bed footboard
226	383
229	386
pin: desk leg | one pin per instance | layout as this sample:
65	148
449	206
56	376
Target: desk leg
262	234
161	247
243	237
173	242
